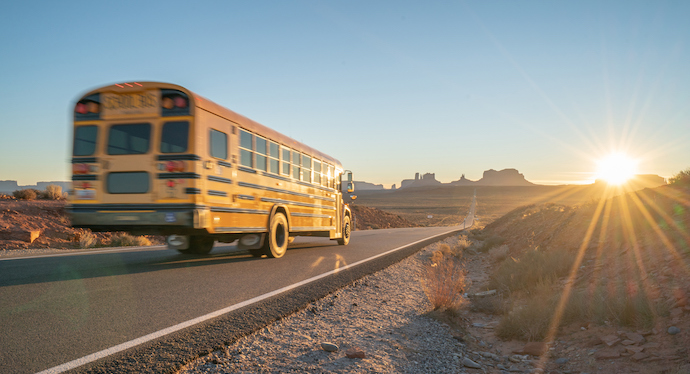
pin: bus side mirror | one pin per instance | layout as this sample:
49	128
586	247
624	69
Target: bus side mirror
350	187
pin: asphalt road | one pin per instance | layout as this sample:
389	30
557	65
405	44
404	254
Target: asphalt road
57	309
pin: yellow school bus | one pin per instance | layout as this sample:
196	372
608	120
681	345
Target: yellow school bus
156	158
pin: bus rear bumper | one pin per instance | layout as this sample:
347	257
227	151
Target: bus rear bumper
159	220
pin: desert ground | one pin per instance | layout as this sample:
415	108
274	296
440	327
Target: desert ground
556	279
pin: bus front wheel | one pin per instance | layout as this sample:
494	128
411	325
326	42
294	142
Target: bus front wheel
278	237
199	245
346	232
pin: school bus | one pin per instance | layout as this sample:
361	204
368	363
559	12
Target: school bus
155	158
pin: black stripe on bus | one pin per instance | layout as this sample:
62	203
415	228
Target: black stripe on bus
258	187
219	179
226	164
217	193
189	157
84	160
83	208
178	176
245	197
238	210
89	177
247	170
192	191
240	229
297	203
310	215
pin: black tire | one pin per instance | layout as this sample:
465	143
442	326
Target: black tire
199	245
345	240
276	242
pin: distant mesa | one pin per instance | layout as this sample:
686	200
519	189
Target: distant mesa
366	186
505	177
491	177
428	179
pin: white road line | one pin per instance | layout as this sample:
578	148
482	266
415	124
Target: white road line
155	335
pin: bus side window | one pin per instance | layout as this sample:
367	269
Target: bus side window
306	168
274	154
317	172
286	161
296	160
219	144
261	151
246	148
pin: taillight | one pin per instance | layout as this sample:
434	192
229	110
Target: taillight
80	169
174	103
88	108
172	166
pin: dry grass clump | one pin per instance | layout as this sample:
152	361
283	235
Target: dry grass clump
682	178
531	320
532	268
26	194
52	192
126	240
443	278
498	254
87	240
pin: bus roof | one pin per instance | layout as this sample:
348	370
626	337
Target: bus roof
221	111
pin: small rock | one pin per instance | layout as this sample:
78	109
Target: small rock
538	371
639	356
562	361
329	347
355	352
610	340
515	369
470	364
673	330
628	342
637	338
515	358
634	349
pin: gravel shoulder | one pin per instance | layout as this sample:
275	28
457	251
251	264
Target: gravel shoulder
385	316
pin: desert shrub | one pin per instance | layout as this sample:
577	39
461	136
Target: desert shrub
621	307
490	242
531	321
463	243
27	194
52	192
87	240
682	178
494	304
443	279
499	253
126	240
530	269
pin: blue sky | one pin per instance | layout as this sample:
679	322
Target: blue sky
389	88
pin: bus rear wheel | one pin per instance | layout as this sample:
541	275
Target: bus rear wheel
199	245
345	240
277	241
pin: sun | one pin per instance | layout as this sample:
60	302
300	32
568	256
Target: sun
616	168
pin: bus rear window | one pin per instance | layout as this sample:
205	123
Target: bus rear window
129	139
85	140
128	182
174	138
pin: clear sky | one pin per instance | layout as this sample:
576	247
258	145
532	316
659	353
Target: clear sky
389	88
